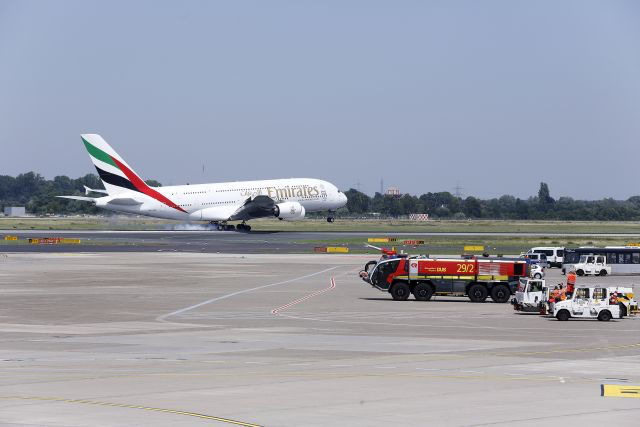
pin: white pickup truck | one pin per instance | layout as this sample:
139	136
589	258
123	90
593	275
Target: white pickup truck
595	265
537	258
587	302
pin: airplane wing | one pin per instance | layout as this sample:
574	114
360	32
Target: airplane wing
258	207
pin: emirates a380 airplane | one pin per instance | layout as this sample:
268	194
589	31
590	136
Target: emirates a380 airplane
286	199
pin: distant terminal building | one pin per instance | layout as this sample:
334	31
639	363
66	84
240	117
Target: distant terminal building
14	211
419	217
393	192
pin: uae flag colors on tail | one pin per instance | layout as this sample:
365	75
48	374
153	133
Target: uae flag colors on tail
116	175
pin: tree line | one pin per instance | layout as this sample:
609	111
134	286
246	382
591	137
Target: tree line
37	194
444	205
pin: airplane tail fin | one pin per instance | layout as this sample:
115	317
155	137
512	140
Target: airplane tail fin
116	175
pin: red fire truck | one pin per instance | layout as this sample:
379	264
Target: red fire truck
476	277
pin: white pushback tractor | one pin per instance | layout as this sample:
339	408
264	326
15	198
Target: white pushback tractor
587	302
530	295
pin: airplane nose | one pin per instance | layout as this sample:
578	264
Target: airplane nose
342	197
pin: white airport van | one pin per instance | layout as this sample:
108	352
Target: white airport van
555	254
537	258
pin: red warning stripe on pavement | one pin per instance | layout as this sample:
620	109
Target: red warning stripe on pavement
275	311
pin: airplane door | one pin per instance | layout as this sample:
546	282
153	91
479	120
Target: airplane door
196	201
199	203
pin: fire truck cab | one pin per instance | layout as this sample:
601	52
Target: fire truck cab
478	278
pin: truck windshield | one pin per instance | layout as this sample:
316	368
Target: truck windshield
383	270
522	285
369	266
535	286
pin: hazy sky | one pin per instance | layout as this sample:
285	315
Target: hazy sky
495	95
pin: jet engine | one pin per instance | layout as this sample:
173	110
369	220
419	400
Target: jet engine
290	211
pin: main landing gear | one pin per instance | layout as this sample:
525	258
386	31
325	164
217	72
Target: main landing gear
223	226
243	227
330	217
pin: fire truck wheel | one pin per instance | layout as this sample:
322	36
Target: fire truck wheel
604	316
563	315
422	292
400	291
623	310
500	293
478	293
580	272
603	272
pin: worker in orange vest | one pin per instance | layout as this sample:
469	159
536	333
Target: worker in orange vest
571	282
562	292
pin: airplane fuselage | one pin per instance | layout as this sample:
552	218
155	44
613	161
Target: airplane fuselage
286	199
218	201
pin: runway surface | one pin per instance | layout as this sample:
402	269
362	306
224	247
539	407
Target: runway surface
189	339
229	242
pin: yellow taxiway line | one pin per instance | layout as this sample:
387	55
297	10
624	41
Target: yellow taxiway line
145	408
